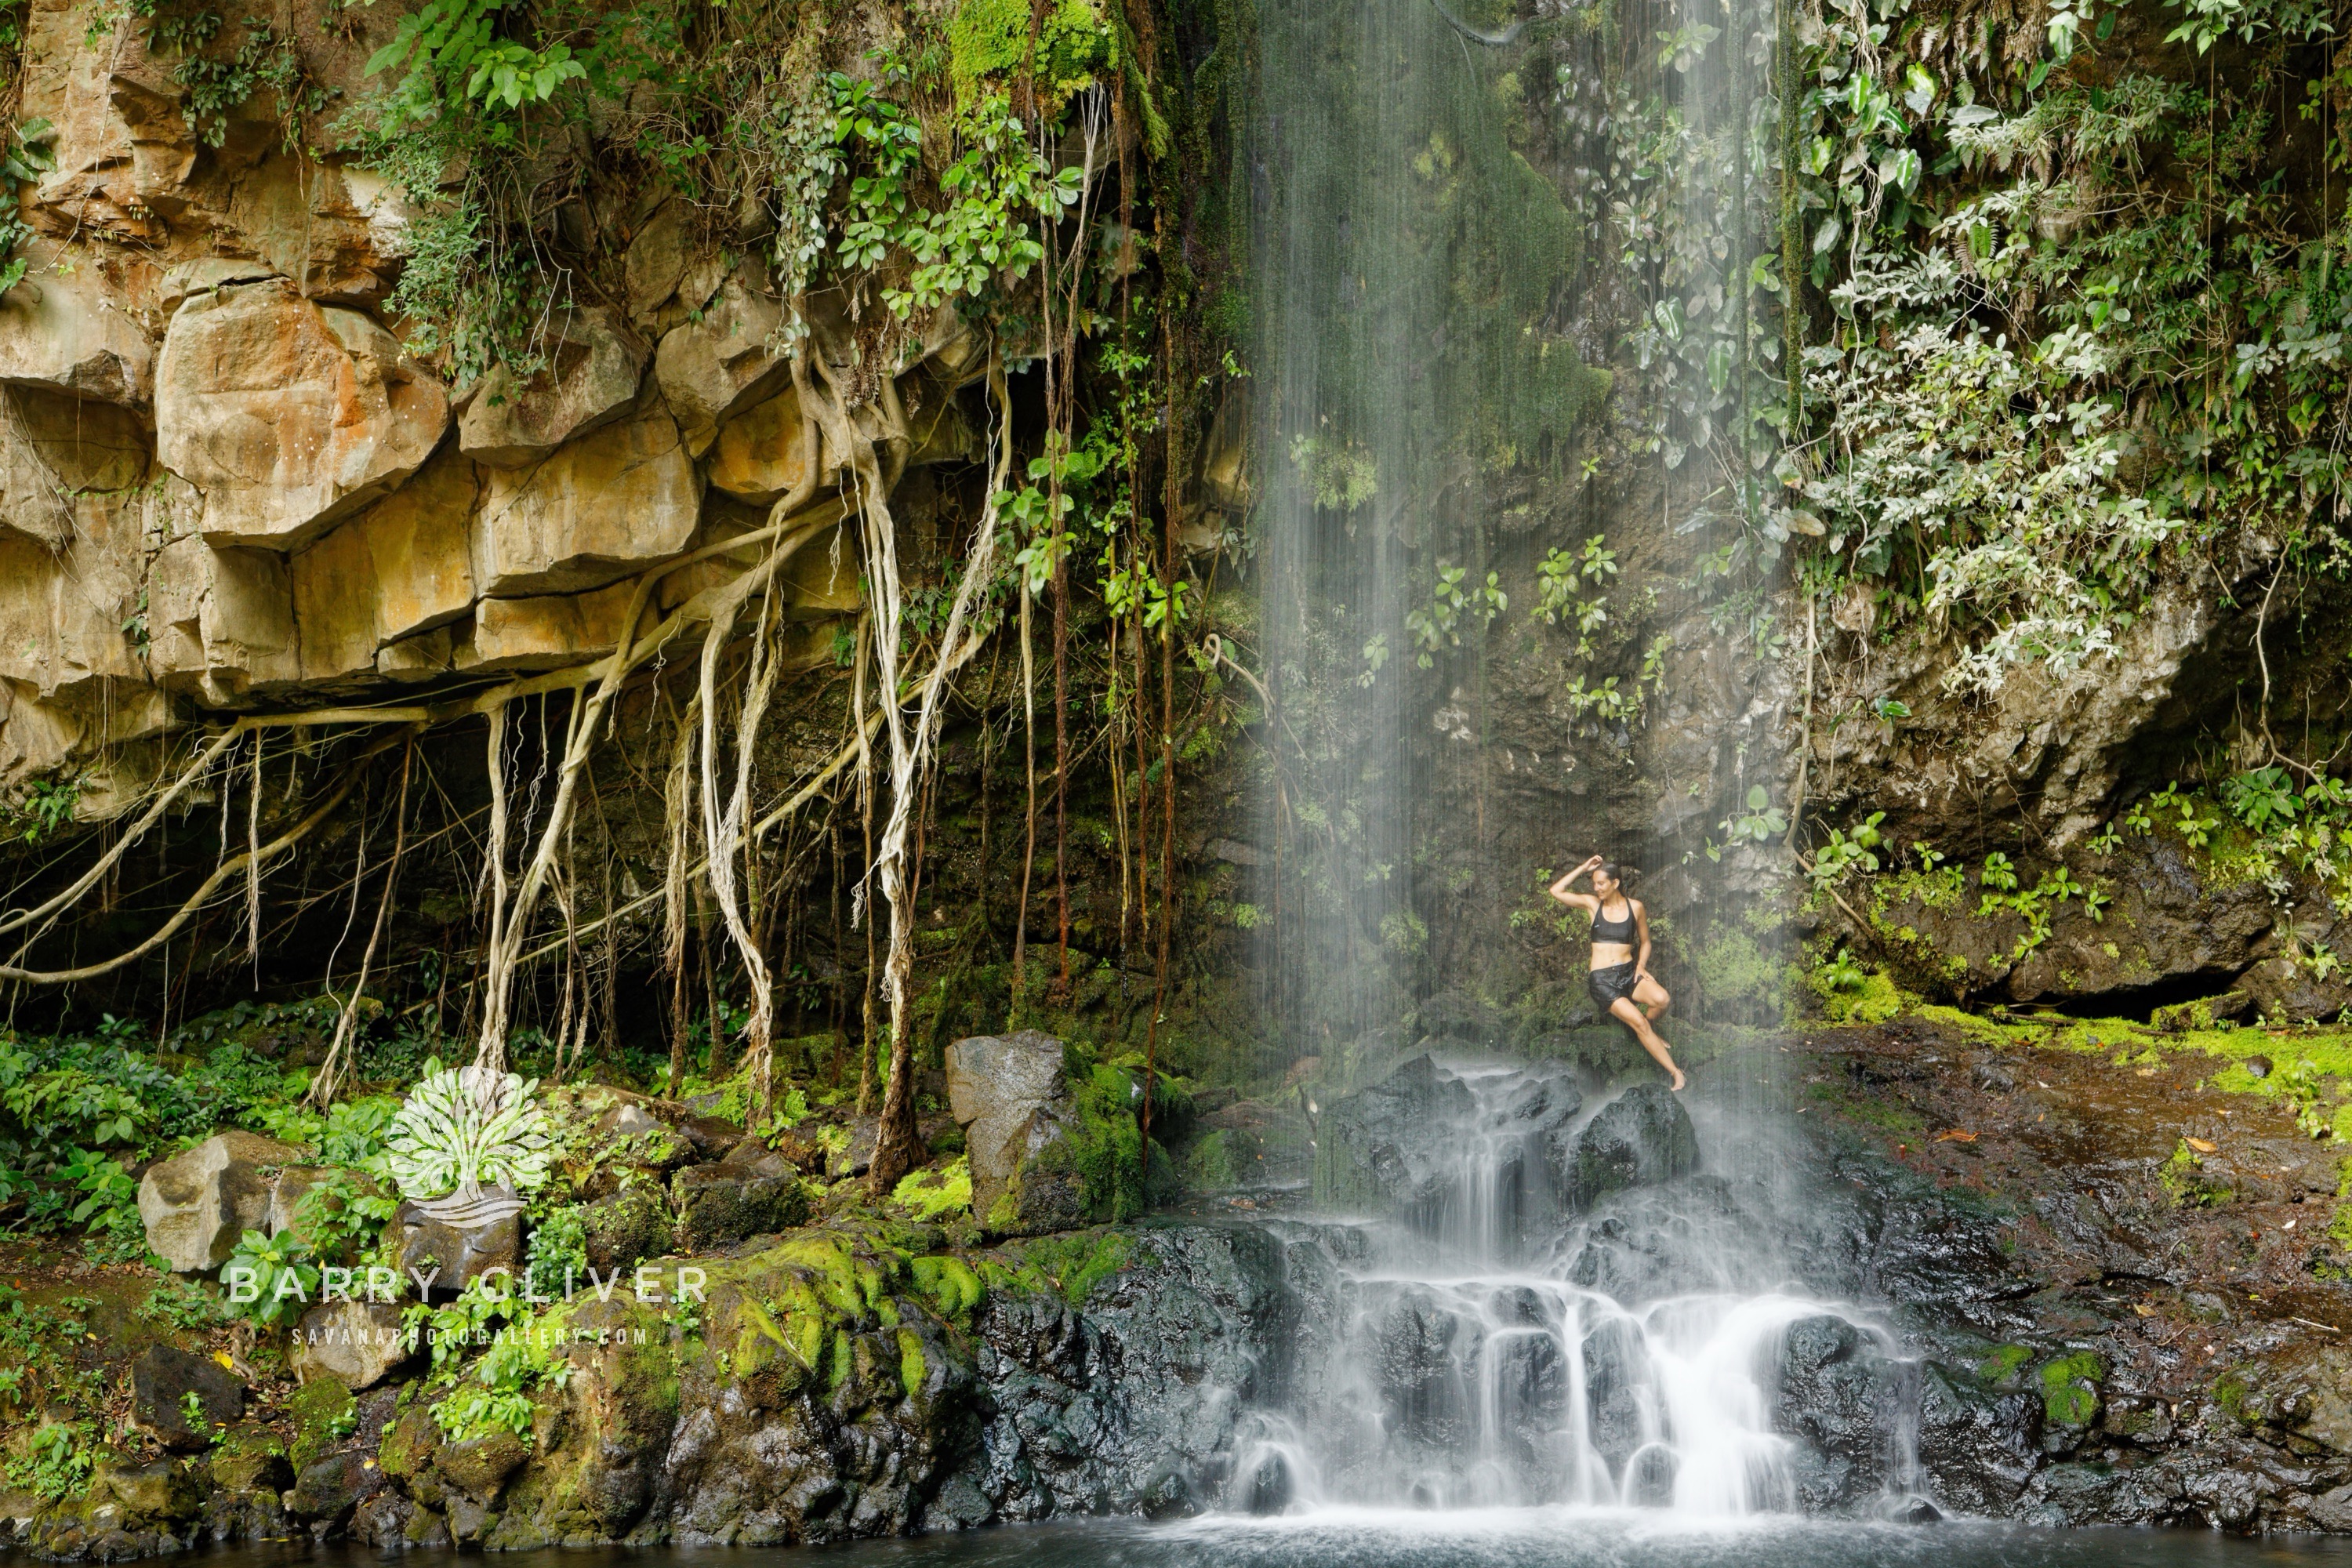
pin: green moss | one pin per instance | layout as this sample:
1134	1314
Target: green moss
991	38
930	1194
1104	1151
324	1415
1886	1116
1872	1001
950	1285
1074	1265
2185	1183
2004	1364
2236	1397
911	1365
2070	1389
1209	1165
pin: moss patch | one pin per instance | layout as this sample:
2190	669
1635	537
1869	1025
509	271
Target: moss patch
934	1193
989	39
324	1415
2070	1389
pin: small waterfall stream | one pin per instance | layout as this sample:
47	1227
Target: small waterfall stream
1465	1348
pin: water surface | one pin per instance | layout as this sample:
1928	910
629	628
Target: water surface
1498	1538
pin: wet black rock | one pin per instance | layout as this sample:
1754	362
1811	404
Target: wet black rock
165	1381
1381	1147
719	1205
453	1255
1640	1139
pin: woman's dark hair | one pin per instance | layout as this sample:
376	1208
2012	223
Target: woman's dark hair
1615	872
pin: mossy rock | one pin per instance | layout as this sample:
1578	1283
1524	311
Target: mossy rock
2069	1390
324	1415
251	1459
991	40
627	1228
409	1442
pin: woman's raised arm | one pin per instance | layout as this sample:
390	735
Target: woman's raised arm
1580	901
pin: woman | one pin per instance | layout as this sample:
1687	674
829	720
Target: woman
1621	982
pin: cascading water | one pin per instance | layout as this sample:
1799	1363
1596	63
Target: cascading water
1559	1309
1459	212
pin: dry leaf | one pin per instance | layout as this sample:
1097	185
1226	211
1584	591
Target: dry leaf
2144	1310
1956	1136
2200	1145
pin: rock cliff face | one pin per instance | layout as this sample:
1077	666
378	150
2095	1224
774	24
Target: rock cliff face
229	484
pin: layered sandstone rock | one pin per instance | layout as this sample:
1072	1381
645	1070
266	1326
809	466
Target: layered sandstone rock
226	481
287	415
590	380
600	509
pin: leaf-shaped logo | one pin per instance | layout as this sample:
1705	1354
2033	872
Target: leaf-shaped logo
467	1143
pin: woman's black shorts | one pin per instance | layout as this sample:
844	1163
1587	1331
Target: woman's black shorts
1607	985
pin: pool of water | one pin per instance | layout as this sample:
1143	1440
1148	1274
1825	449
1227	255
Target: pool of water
1504	1538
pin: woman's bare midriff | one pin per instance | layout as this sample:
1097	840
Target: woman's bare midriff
1610	954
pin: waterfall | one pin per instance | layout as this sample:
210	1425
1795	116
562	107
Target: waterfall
1508	258
1469	1348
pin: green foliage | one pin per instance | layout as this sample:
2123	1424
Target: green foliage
187	1305
25	155
559	1251
1343	475
55	1462
1758	824
450	57
342	1217
271	1280
1842	856
1438	622
109	1204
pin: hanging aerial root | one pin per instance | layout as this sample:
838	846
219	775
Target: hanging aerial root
331	1073
226	872
895	1147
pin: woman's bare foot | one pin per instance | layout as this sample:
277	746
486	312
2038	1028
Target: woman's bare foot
1680	1082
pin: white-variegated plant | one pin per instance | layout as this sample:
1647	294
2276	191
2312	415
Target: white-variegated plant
467	1141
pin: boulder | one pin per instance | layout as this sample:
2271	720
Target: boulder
594	367
727	359
196	1204
403	567
251	1461
1009	1095
1381	1146
655	263
855	1157
288	415
330	1487
54	449
628	1227
479	1466
461	1253
61	615
357	1343
2286	991
600	509
1640	1137
61	332
718	1204
158	1489
163	1377
763	452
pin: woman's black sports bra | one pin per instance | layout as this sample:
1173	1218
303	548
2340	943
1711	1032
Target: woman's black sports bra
1613	931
